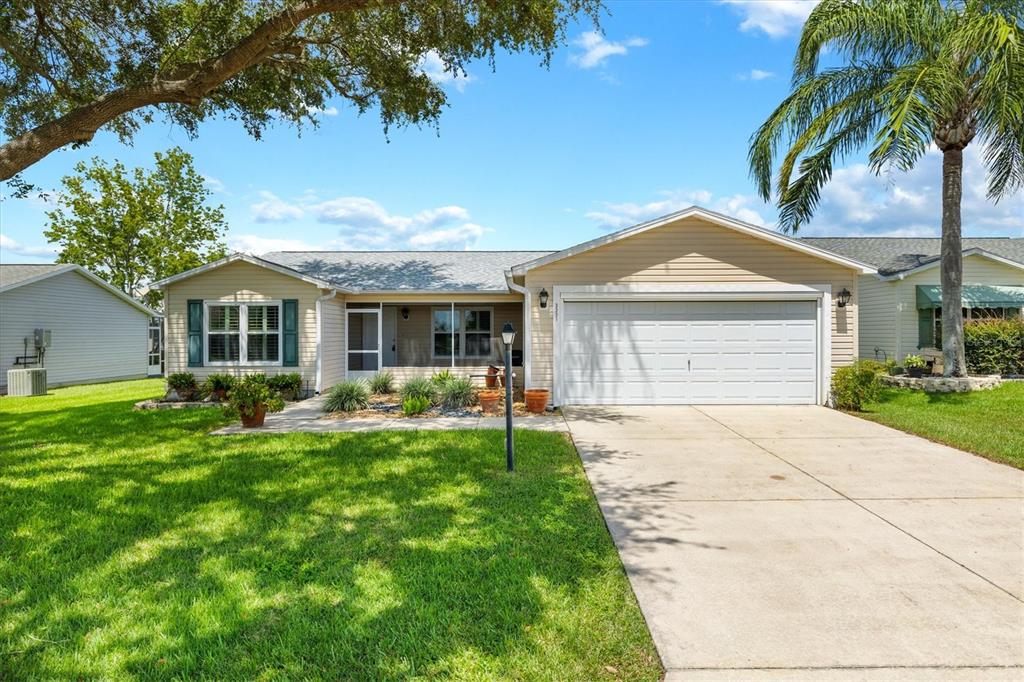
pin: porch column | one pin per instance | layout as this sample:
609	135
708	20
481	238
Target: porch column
452	322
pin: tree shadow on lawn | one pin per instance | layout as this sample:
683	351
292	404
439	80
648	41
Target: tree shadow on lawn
889	395
139	551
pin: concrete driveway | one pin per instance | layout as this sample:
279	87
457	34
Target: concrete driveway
802	543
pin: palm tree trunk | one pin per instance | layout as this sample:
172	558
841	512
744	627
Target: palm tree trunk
954	362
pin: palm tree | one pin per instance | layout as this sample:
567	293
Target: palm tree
910	73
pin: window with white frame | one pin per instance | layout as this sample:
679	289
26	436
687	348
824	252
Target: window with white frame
243	333
468	332
970	314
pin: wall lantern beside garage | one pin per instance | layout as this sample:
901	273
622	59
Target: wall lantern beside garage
405	313
843	298
543	298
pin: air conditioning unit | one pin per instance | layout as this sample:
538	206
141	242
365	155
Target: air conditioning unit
26	381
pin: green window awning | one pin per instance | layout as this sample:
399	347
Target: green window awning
975	296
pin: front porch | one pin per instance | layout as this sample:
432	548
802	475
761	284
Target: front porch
421	339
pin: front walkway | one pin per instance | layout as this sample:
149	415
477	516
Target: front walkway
801	543
307	416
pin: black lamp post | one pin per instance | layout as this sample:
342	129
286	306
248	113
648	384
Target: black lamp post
508	335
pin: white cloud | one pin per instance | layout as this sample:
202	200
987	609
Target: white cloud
452	237
257	245
759	75
617	216
366	224
215	185
857	202
273	209
595	49
436	70
322	111
776	18
35	252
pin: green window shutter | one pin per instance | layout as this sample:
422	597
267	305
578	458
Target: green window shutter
195	333
290	336
925	328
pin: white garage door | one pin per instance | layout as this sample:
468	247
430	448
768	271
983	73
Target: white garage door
688	352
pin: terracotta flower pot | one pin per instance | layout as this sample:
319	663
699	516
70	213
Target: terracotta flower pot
254	420
491	380
489	401
221	394
536	399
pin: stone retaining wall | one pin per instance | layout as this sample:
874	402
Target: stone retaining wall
936	384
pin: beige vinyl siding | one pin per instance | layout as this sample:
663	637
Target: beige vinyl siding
240	281
878	315
332	339
689	251
977	270
96	336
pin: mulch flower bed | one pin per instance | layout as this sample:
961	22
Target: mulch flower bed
389	406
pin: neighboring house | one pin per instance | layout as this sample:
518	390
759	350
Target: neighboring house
901	305
694	307
97	332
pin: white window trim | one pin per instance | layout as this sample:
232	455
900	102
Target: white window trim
243	334
461	331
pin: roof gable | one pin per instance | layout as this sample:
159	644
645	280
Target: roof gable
22	276
894	255
708	216
253	260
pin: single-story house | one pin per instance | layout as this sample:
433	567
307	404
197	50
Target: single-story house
97	333
901	305
693	307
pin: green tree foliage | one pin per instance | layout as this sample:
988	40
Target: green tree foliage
68	69
903	74
132	227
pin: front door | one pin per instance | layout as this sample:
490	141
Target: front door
362	334
156	347
389	336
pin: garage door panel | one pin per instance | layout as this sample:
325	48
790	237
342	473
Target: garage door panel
679	352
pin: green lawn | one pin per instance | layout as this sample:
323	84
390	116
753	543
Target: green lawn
133	545
988	423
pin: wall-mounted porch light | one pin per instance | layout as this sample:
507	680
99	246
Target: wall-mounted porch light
543	296
843	298
405	312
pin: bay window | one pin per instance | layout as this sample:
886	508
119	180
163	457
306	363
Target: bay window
243	333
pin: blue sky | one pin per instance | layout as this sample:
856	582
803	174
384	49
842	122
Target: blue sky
651	116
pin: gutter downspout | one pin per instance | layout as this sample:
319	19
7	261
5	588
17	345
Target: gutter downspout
319	337
527	327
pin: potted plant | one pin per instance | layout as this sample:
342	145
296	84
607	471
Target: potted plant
184	385
491	380
536	399
218	386
489	399
252	398
914	365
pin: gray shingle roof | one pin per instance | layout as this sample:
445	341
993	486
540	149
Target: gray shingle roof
407	270
892	255
14	273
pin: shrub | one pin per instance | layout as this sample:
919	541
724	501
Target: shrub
184	384
382	382
414	405
456	393
248	393
914	362
995	346
286	385
441	378
893	368
419	387
856	384
348	396
218	385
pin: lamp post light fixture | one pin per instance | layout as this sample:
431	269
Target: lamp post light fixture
508	335
844	298
543	296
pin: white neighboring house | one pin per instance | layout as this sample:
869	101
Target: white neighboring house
97	332
901	305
